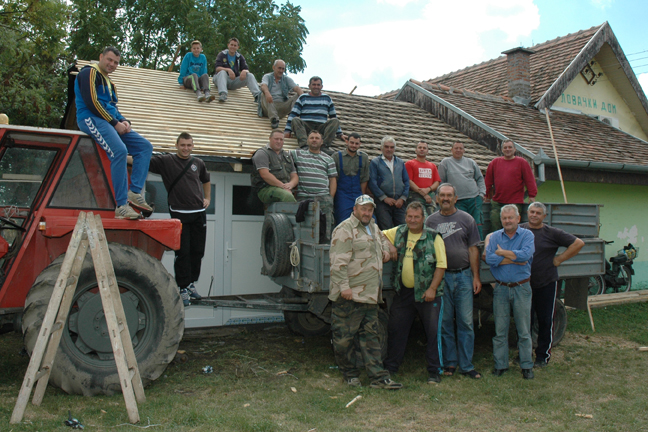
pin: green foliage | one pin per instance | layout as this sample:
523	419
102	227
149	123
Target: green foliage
33	60
156	34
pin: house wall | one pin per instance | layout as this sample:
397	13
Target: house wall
600	99
622	217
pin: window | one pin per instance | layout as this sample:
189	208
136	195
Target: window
245	202
23	171
84	184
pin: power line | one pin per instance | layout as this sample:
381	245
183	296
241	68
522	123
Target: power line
640	58
638	52
644	65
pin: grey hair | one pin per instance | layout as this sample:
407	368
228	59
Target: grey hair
540	206
415	205
386	140
510	207
454	190
277	61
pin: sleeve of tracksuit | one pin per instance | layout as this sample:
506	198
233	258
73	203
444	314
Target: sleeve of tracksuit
87	85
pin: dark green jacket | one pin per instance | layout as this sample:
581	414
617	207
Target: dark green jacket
424	257
280	167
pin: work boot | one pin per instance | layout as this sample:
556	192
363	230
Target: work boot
137	201
126	212
200	96
209	97
527	374
354	382
386	384
184	295
222	97
434	378
274	123
193	292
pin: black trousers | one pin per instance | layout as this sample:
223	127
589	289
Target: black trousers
192	247
543	302
401	317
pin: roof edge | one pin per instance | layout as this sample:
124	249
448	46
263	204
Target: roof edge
489	130
604	34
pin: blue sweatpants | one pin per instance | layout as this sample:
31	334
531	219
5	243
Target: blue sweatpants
117	147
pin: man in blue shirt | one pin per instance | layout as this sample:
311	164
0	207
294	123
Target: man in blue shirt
193	73
509	253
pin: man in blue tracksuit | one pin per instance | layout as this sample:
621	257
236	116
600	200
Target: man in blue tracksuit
389	183
98	116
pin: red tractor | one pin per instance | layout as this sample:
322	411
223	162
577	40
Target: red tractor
47	176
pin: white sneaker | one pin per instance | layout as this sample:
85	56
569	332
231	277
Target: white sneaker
126	212
193	292
137	201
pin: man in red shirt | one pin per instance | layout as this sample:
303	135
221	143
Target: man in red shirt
508	175
424	179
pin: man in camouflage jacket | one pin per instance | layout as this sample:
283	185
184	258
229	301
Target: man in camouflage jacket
418	280
358	250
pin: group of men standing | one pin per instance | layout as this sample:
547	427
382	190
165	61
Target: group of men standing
436	254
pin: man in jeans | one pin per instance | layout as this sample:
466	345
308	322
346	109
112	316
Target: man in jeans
460	235
509	253
463	173
232	72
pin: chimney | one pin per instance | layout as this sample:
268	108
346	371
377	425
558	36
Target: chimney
518	74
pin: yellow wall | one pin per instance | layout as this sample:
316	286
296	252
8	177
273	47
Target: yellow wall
600	99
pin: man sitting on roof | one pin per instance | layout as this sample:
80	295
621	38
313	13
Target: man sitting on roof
317	177
274	176
193	73
276	102
98	116
314	111
230	65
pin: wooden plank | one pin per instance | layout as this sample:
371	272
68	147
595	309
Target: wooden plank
127	342
614	299
48	321
111	320
59	324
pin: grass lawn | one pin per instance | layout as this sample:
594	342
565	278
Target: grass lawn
600	374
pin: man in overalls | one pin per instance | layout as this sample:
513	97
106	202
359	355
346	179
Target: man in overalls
353	174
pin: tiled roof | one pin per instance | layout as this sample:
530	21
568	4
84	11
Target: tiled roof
159	109
577	136
549	60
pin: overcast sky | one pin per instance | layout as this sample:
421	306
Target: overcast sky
377	45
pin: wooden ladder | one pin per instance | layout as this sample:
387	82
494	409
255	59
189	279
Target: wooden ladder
88	232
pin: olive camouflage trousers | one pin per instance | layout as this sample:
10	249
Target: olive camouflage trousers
349	319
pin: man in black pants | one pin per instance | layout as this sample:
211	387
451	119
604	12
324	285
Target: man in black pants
187	182
544	274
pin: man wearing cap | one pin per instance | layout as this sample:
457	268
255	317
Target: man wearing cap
509	253
358	250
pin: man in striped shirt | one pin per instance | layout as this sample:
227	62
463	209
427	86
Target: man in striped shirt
314	111
317	176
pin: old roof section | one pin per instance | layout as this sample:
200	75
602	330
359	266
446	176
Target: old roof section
547	63
159	109
578	137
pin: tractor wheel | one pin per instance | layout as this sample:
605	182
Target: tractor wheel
306	323
84	363
559	324
276	236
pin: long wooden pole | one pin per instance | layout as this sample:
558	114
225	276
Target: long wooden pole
553	143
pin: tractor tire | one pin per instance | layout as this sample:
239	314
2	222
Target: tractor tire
84	363
276	236
306	323
559	324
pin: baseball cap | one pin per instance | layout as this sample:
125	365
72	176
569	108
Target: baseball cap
365	199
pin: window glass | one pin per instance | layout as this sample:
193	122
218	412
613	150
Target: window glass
245	202
84	184
22	171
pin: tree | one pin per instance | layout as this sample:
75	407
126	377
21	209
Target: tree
33	61
155	34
